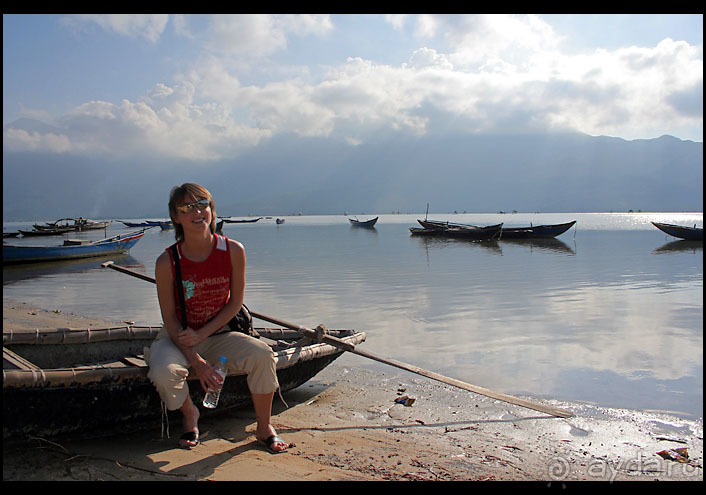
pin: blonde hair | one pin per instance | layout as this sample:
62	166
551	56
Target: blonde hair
197	192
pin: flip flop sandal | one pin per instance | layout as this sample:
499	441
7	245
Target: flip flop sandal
189	436
271	441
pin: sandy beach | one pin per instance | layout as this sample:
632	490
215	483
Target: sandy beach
344	425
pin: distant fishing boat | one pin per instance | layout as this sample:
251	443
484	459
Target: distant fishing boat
71	249
468	232
536	231
146	223
531	232
279	221
248	220
46	231
363	223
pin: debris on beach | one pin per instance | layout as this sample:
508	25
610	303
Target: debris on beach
405	400
676	455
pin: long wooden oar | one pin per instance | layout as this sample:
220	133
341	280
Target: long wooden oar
329	339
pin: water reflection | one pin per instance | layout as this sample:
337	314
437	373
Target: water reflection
682	245
551	245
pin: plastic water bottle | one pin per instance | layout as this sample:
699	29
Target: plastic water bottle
211	399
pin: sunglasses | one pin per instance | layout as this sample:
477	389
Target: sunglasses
201	204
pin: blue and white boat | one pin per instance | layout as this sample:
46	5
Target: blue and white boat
70	249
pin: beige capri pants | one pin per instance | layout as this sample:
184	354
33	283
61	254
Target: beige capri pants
168	368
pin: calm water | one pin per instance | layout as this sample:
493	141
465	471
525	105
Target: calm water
610	313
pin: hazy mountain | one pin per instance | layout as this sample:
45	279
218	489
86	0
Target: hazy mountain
549	172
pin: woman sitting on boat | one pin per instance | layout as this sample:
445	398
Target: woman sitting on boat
213	275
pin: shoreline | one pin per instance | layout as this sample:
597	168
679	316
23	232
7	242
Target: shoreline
346	426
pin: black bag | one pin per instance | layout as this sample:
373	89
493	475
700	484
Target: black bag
241	322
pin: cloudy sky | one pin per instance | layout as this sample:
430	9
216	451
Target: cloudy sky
208	87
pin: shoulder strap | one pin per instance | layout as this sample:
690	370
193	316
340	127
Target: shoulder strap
179	286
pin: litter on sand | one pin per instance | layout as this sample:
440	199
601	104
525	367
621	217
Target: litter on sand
405	400
677	455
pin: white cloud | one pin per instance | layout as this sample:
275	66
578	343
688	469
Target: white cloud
491	74
258	35
22	140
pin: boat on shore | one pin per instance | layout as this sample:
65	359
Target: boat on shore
70	249
363	223
94	381
687	233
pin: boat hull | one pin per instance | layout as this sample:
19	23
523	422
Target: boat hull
35	254
95	401
365	223
687	233
536	231
458	231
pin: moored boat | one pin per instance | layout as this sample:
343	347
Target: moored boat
46	231
78	224
536	231
235	220
469	232
94	381
70	249
688	233
363	223
531	232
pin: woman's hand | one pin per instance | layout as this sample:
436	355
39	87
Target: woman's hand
207	375
190	338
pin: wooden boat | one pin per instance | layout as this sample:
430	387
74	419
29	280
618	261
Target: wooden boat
249	220
473	233
363	223
93	382
86	224
146	223
166	225
688	233
436	224
536	231
7	235
70	249
133	225
78	224
46	231
531	232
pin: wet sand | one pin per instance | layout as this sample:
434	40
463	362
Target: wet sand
345	426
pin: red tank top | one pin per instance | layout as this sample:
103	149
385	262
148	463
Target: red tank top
206	284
